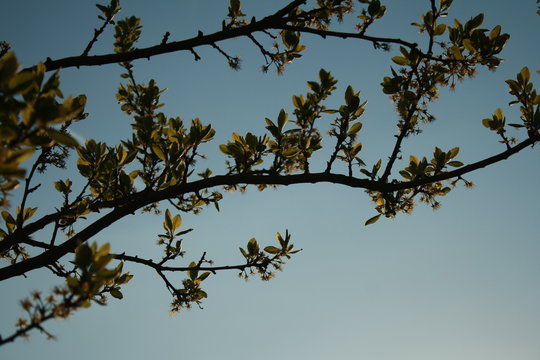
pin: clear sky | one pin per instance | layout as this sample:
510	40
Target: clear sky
461	282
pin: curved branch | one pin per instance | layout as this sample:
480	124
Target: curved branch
269	22
277	21
145	198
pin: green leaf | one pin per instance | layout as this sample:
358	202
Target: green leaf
359	111
455	163
202	294
349	95
251	140
456	52
19	156
252	246
495	32
167	224
374	7
377	167
234	9
290	38
62	138
314	86
83	256
103	8
370	174
403	50
22	82
452	153
297	101
282	119
104	250
405	174
400	60
224	149
156	149
356	127
444	191
8	67
289	153
475	22
116	293
8	218
468	45
237	138
72	282
439	29
525	74
28	213
357	148
124	279
204	275
445	4
280	240
10	185
269	123
177	222
499	115
373	220
272	250
193	273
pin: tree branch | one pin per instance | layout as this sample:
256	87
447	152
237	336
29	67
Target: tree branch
276	21
147	197
268	22
467	168
348	35
98	32
159	267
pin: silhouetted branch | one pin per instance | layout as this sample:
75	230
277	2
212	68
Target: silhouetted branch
277	21
98	32
159	267
140	200
348	35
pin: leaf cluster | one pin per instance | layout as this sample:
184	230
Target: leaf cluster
270	258
526	95
91	279
30	116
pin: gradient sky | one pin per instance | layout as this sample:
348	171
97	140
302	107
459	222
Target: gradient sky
461	282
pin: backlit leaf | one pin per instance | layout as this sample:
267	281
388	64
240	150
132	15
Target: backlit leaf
373	220
400	60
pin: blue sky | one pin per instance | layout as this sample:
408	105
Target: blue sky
457	283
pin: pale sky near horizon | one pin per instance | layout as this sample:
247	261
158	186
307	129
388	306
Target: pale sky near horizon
461	282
